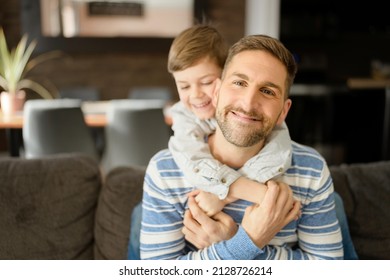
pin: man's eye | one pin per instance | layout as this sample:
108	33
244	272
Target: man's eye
267	91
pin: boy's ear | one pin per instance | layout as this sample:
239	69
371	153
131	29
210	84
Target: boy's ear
216	91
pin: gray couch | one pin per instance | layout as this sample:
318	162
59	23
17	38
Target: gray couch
365	190
62	207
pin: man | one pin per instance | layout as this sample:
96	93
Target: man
251	101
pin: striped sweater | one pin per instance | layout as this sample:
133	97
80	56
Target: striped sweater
315	235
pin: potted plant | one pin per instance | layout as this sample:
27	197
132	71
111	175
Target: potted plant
14	65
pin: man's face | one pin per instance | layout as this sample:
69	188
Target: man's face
250	100
196	85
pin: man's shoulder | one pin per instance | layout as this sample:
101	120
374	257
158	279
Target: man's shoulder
308	167
162	167
163	160
306	156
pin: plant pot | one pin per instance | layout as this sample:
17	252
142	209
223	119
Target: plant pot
12	103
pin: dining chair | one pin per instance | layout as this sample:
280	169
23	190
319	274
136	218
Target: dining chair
79	92
151	92
56	126
86	93
135	131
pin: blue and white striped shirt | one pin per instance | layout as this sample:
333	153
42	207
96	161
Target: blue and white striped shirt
315	235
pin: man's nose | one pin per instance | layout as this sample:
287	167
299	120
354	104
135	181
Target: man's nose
250	99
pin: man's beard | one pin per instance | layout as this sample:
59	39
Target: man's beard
240	134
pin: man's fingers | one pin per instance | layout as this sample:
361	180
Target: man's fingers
190	230
284	200
250	208
224	219
294	213
221	216
271	194
189	221
191	237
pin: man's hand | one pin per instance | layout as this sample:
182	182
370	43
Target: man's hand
202	231
278	208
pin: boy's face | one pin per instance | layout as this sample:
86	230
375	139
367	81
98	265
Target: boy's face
196	85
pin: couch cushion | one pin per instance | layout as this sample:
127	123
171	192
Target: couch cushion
365	189
47	207
121	192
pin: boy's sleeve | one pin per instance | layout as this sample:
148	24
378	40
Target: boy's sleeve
192	153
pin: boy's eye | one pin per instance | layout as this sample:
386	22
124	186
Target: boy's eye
239	83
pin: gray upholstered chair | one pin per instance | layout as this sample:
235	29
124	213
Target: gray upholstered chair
86	93
56	126
151	92
82	93
135	131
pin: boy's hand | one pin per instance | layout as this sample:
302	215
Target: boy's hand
208	202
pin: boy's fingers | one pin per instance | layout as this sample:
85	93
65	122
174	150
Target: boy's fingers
197	213
193	193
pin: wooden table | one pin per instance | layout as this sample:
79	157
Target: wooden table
95	115
13	126
16	121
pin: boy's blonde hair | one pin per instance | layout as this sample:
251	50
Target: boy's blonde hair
195	43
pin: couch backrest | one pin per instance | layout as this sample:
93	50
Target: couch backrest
47	207
365	190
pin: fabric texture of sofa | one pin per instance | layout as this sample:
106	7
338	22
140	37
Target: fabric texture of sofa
365	190
62	207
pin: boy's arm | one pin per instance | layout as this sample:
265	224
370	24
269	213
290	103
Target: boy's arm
246	189
192	153
242	188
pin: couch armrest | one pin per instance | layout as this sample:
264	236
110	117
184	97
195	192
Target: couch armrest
121	192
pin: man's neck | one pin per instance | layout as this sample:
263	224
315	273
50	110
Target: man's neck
230	154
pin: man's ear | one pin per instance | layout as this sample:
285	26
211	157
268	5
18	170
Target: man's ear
283	114
216	92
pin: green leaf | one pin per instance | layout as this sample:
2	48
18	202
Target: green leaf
4	54
3	84
41	58
15	64
29	84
